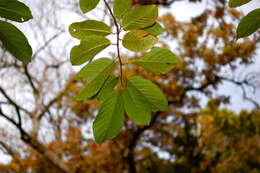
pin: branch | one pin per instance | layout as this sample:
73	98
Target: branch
50	156
47	107
242	85
117	40
136	135
47	43
16	106
29	77
33	142
24	135
7	149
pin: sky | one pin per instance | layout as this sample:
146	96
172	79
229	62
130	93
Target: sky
184	11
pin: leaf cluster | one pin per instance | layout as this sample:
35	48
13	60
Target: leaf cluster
134	95
12	38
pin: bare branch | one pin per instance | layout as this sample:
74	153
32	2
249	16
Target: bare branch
47	43
8	149
50	156
242	84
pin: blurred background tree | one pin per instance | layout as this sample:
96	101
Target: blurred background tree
44	130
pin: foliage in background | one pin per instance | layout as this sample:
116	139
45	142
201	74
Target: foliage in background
11	37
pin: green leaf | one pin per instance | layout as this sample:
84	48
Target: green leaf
140	17
107	88
101	66
88	5
159	60
136	106
3	2
110	118
81	30
88	49
155	29
95	73
249	24
150	92
90	89
121	7
15	10
138	40
237	3
15	42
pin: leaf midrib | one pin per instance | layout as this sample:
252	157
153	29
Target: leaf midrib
160	62
98	30
102	71
141	94
91	49
111	117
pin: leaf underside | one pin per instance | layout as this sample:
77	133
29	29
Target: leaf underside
95	74
110	118
121	7
138	40
150	92
81	30
140	17
159	60
137	107
88	49
88	5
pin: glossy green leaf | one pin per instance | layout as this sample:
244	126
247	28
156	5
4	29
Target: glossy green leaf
15	42
138	40
155	29
82	30
96	73
136	106
121	7
110	118
107	88
88	5
88	49
150	92
237	3
249	24
159	60
140	17
15	10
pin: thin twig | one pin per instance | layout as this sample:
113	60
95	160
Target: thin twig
12	102
24	134
16	106
47	43
29	77
117	40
